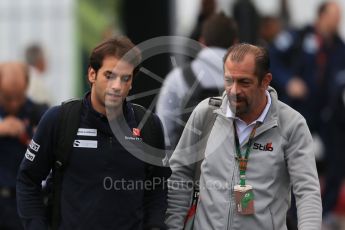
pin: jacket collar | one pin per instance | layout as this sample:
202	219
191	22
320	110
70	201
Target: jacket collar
101	121
271	119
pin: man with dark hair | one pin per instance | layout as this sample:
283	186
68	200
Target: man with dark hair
34	57
39	89
185	87
256	149
18	118
207	9
104	185
223	35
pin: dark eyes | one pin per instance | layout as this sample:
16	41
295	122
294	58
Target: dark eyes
244	82
109	75
125	78
112	76
228	80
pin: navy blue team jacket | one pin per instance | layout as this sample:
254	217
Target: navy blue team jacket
98	189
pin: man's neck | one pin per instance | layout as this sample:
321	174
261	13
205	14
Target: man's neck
113	114
98	107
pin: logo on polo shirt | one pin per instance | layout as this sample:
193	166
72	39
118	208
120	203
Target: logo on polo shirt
87	132
91	144
34	146
266	147
136	132
136	135
29	155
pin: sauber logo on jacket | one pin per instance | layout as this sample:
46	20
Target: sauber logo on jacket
266	147
136	135
136	132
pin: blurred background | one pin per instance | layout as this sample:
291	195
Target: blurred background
56	37
67	30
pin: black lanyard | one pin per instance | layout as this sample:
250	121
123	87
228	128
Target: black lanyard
243	160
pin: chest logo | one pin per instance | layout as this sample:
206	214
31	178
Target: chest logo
136	132
266	147
85	144
34	146
87	132
29	155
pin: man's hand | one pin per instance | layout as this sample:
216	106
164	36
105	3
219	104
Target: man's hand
12	126
296	88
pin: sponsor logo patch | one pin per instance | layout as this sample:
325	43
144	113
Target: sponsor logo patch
266	147
87	132
85	144
34	146
133	138
29	155
136	132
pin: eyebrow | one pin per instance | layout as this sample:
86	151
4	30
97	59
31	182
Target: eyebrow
240	77
109	71
115	73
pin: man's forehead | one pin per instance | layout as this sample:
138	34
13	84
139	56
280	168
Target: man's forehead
117	60
12	68
118	71
117	66
239	76
12	74
246	58
247	65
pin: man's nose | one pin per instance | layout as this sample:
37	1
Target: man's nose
115	84
234	88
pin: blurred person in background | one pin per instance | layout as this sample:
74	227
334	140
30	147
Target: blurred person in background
208	8
247	18
335	171
305	63
18	118
184	87
39	89
269	28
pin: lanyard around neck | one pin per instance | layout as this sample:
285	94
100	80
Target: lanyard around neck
243	159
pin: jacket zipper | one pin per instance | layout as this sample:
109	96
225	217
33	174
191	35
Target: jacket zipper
262	129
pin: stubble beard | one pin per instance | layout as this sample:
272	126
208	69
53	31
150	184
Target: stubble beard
240	110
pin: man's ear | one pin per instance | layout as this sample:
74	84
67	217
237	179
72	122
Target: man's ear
91	74
266	80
